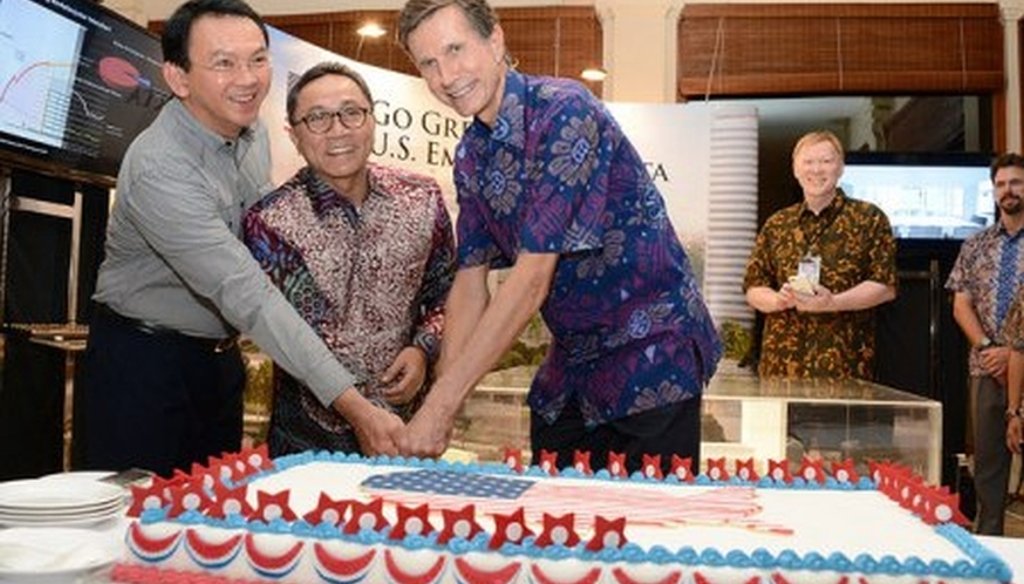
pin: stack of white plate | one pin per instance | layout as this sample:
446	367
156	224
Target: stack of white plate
64	503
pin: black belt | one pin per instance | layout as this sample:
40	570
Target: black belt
214	345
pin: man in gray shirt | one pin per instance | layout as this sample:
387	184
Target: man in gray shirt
163	376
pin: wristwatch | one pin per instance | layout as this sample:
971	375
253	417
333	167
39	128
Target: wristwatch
984	343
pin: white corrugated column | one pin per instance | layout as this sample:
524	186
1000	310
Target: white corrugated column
732	212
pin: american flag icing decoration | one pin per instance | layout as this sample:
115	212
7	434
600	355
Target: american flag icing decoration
504	495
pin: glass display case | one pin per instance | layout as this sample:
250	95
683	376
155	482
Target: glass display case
745	417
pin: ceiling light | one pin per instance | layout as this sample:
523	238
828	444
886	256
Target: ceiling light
594	74
372	30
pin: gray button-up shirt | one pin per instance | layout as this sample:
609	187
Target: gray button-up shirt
173	254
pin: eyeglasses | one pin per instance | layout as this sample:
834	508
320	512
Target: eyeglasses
321	121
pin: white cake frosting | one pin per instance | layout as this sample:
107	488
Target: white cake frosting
674	532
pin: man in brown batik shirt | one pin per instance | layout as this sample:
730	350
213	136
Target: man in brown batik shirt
817	270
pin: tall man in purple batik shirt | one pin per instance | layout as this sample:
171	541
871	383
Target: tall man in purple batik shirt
549	187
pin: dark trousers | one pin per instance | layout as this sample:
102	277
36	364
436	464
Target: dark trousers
673	429
991	456
293	430
157	400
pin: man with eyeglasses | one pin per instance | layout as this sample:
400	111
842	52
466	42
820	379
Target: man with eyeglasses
163	375
985	281
364	252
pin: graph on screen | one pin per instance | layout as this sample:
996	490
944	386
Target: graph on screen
37	71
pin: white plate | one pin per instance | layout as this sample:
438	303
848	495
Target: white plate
79	475
60	511
66	494
71	520
54	554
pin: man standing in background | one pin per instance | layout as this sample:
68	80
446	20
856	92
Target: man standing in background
817	270
985	280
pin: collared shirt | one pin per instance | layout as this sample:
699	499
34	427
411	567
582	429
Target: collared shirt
976	273
1013	326
370	280
557	175
855	243
173	254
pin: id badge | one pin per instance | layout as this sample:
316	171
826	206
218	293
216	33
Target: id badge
810	268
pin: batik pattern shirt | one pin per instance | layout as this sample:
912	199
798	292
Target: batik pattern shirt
1013	326
990	270
370	280
557	175
855	243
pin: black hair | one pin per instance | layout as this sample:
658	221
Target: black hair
178	27
316	72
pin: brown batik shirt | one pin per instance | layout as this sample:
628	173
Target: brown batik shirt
1013	327
855	243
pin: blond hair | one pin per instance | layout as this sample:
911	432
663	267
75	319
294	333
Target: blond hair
818	136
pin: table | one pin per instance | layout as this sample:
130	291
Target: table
71	340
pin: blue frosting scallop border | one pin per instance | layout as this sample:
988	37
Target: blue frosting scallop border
986	565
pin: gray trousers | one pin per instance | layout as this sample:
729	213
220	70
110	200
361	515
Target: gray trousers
991	457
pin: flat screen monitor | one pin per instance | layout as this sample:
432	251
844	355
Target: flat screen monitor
925	196
77	83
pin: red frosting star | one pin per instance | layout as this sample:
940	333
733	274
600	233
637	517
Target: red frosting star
203	475
581	462
151	497
812	470
942	506
257	458
617	465
779	470
904	486
239	466
652	467
607	534
682	468
716	469
224	470
366	516
270	506
745	470
844	472
509	529
188	497
883	473
461	523
549	462
411	521
559	531
335	510
514	459
229	501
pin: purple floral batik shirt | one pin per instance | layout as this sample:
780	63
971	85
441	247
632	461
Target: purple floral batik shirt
557	175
